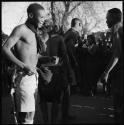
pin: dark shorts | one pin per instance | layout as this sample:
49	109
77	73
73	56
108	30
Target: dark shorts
51	92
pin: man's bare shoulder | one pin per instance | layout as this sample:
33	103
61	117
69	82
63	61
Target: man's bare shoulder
20	28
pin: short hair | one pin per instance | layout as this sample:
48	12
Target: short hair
91	39
116	14
74	21
55	30
34	7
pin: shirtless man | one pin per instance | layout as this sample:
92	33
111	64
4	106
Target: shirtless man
115	66
24	41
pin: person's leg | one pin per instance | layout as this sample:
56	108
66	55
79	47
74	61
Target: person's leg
44	110
25	99
78	78
87	80
65	104
118	105
26	117
54	112
118	97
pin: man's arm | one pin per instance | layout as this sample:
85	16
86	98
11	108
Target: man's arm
12	40
45	59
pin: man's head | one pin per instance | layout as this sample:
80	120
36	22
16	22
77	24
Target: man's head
114	16
36	14
76	23
55	30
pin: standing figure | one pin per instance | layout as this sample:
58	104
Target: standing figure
24	39
71	38
115	66
52	92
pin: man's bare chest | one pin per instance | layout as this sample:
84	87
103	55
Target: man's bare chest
29	38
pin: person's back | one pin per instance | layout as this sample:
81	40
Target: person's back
118	29
71	34
71	39
52	92
54	45
56	49
117	74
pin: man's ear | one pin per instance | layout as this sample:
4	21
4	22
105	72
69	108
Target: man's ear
31	15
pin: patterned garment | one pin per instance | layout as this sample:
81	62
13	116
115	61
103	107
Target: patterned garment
25	89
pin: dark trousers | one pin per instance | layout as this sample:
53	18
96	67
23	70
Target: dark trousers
65	103
117	90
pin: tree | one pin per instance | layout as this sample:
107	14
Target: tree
90	16
60	11
52	12
86	11
92	13
69	8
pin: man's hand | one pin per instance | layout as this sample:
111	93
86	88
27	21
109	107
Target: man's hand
104	77
102	82
56	59
99	86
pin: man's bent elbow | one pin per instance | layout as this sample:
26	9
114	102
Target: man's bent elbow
5	50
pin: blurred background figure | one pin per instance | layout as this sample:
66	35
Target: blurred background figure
55	91
72	38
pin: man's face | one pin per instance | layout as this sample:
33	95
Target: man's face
79	26
109	20
39	17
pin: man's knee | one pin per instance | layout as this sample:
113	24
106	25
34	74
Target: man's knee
25	117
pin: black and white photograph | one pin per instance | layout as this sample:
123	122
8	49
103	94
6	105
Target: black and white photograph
62	62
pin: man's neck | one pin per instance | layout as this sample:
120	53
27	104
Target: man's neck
32	23
75	29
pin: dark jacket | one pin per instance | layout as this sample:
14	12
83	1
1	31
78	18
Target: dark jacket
56	47
71	38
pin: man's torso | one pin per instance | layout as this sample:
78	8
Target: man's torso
26	47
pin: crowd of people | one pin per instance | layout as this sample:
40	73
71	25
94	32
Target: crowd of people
43	60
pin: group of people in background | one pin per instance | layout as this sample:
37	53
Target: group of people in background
49	63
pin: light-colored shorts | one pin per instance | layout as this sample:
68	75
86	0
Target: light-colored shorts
26	87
